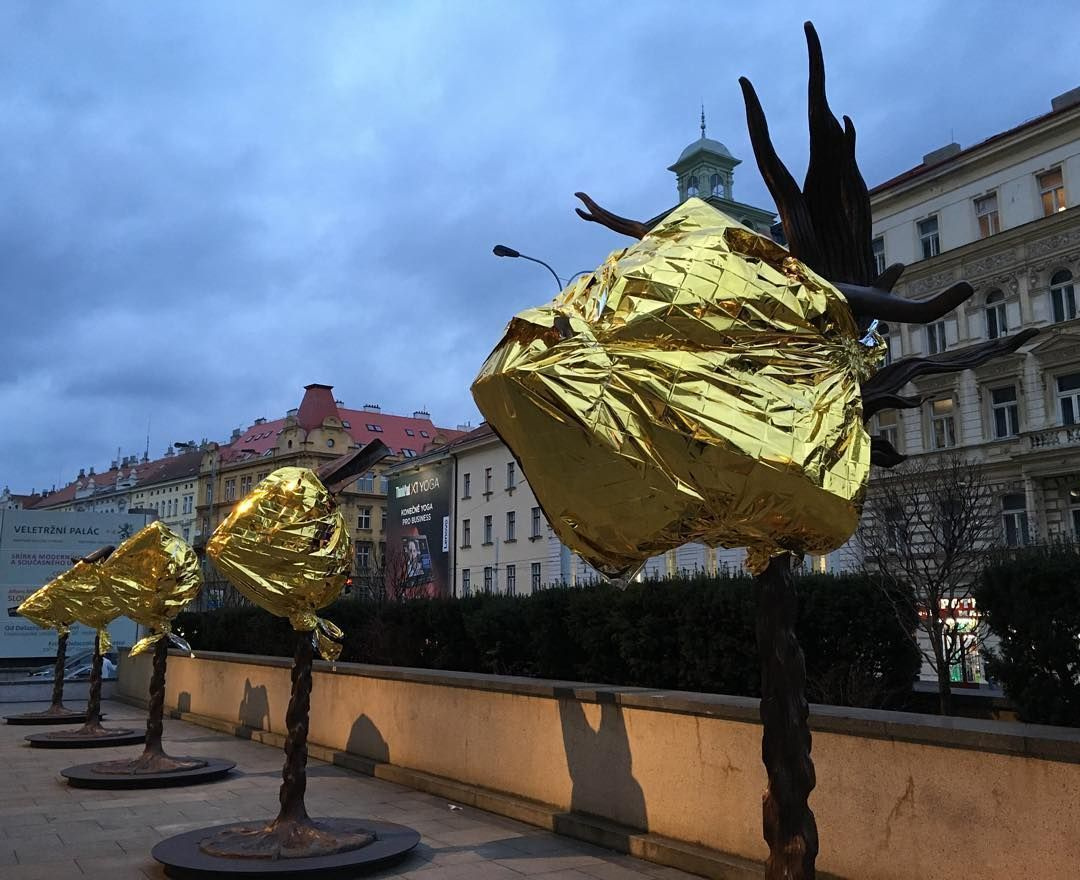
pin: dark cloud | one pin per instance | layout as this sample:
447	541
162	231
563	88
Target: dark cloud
206	205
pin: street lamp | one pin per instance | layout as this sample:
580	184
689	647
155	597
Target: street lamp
501	250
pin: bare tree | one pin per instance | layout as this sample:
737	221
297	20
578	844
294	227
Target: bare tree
387	578
926	529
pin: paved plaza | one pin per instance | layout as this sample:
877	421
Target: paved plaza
50	830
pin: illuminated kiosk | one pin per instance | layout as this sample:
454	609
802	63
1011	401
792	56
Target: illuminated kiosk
82	592
285	547
42	608
151	577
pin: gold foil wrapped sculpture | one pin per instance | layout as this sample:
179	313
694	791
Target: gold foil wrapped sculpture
285	547
152	576
701	385
45	608
78	595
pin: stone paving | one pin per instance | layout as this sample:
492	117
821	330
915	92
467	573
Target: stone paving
50	830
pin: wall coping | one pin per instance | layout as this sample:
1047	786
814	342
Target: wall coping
1003	737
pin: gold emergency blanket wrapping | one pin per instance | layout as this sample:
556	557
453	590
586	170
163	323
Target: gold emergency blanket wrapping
701	385
78	595
152	576
45	608
285	547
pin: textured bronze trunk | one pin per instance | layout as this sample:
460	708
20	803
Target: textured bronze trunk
293	834
789	826
58	674
93	727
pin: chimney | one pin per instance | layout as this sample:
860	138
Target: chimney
260	421
339	402
91	471
291	414
941	154
82	473
421	414
235	434
372	408
1065	100
466	427
145	457
114	464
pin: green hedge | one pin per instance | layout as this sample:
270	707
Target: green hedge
692	634
1031	601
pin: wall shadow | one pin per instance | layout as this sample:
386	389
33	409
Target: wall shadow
254	711
600	763
366	741
183	702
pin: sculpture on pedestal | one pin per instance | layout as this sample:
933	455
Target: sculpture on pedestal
150	578
707	385
286	548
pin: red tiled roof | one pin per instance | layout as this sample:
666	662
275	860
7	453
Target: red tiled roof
171	467
918	170
397	432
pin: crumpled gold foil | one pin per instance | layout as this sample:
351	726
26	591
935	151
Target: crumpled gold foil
701	385
152	576
81	594
45	608
286	547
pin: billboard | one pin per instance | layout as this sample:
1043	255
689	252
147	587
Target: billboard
36	546
418	529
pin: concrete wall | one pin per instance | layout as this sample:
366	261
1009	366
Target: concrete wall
898	796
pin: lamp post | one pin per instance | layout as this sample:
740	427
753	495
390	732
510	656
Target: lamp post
501	250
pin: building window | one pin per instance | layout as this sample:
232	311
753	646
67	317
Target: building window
1074	505
363	557
466	533
535	576
366	483
209	493
375	429
487	481
466	582
1069	398
230	489
1014	520
885	332
986	214
511	580
1062	297
408	453
1005	411
996	322
1051	191
245	485
511	476
424	434
489	578
262	476
716	185
935	337
409	432
535	522
942	426
187	534
511	525
384	484
189	500
928	236
487	529
363	521
382	525
887	423
878	246
692	185
466	486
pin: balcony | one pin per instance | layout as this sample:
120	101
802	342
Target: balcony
1051	439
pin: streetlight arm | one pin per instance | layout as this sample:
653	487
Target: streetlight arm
558	280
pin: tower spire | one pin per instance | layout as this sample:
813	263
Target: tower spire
702	120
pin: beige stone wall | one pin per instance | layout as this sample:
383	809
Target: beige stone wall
899	796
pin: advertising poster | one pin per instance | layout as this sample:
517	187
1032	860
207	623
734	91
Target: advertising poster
418	529
36	546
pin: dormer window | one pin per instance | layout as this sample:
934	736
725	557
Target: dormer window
692	185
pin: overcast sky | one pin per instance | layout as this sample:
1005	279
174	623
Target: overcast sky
205	206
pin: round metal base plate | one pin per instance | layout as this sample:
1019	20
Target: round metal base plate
85	776
58	740
67	716
183	859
